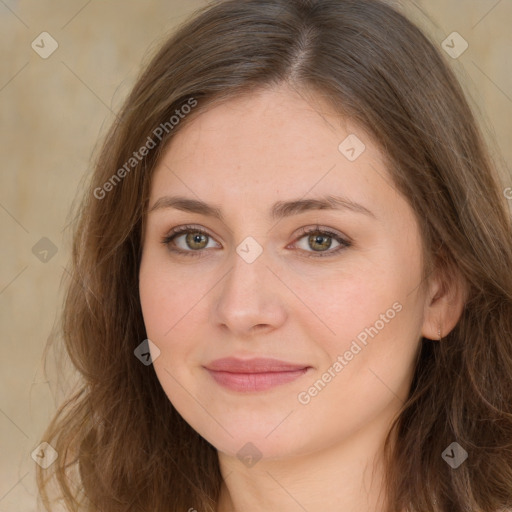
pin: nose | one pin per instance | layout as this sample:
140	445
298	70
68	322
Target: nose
249	299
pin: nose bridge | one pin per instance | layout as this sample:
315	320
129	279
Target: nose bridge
245	283
248	268
247	296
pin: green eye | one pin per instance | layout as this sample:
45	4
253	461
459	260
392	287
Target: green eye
196	240
320	241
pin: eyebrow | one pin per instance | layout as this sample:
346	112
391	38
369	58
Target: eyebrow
279	210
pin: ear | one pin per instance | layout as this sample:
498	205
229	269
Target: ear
444	302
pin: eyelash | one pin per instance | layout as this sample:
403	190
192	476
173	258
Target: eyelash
175	232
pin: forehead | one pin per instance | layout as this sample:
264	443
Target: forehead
273	144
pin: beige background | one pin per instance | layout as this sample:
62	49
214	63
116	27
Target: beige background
53	111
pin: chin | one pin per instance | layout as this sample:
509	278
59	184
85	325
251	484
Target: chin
255	443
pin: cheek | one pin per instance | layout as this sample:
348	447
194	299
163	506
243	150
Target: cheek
168	305
167	298
366	290
368	363
156	303
372	317
347	303
175	309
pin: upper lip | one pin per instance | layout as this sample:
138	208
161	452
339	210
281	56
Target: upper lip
255	365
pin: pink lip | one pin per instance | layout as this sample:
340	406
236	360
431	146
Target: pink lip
254	374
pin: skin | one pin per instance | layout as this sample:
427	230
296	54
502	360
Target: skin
243	156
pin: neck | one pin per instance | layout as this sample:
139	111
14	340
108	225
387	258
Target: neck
347	476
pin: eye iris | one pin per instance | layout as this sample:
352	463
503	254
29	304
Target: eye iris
193	238
319	239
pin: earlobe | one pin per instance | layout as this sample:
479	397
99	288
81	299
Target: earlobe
444	304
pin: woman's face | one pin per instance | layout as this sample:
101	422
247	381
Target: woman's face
342	305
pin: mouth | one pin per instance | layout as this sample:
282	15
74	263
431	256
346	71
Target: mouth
254	374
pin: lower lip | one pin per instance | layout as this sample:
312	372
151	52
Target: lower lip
255	381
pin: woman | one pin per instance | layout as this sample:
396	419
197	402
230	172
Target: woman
292	284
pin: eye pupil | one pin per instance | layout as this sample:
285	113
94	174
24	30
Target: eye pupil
195	238
320	239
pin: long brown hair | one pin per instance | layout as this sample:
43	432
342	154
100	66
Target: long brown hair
122	445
